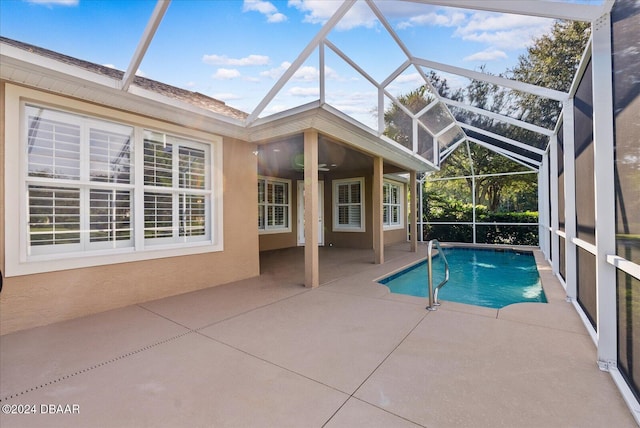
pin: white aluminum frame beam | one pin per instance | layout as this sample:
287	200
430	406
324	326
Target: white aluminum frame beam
522	160
503	139
544	9
604	182
297	63
496	80
500	117
145	41
569	163
555	223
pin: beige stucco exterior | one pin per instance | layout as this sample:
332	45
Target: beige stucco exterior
43	298
58	290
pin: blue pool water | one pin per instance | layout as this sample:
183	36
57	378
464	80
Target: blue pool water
490	278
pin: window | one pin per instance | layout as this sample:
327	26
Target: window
348	205
392	212
82	193
176	196
76	205
274	206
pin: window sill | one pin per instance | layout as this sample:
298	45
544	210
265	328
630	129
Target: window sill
56	262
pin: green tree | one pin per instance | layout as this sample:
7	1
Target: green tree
551	62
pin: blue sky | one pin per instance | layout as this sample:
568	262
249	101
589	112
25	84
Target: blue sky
235	50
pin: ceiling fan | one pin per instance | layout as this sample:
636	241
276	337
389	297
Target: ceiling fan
321	166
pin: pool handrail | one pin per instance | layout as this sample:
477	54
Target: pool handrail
433	291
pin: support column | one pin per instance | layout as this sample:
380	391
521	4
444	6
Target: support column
413	185
571	264
311	258
378	235
545	212
553	176
603	141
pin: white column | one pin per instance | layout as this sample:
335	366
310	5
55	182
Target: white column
603	136
569	199
413	185
543	205
378	234
311	233
553	176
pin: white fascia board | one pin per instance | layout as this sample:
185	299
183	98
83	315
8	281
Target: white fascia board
496	80
145	41
336	124
500	117
503	139
105	90
297	63
543	9
22	59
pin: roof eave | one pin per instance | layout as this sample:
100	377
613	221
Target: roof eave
331	122
30	69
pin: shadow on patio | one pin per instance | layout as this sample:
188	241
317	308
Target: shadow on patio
267	352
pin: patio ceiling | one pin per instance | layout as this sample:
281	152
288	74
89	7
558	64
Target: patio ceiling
431	131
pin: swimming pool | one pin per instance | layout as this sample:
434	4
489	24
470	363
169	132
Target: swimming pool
482	277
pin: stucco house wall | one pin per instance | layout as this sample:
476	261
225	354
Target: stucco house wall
42	298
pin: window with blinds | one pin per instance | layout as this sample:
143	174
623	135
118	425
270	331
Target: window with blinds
391	205
348	205
81	191
274	207
77	205
176	195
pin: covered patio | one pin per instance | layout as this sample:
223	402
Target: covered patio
269	352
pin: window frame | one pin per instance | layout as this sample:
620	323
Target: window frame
18	260
400	205
266	230
343	182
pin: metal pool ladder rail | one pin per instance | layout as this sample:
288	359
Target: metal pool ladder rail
433	291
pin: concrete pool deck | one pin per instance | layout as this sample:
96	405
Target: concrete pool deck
267	352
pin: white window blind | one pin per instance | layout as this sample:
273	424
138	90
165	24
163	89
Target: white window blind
391	205
348	196
177	194
81	192
274	206
75	205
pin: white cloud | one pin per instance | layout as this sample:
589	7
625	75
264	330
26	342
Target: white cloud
304	92
438	19
319	11
410	78
236	62
226	74
503	30
307	73
55	2
274	73
490	54
266	8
